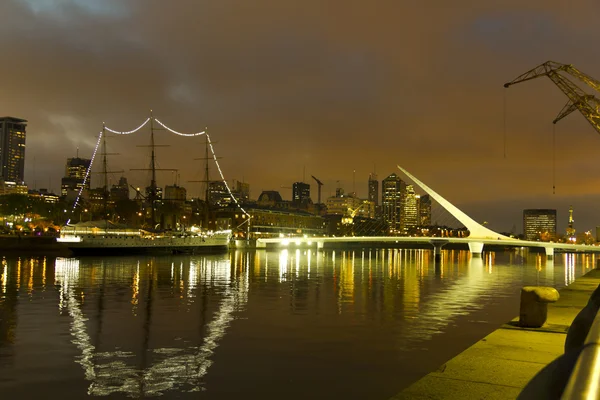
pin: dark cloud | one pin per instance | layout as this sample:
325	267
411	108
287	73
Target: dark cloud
326	87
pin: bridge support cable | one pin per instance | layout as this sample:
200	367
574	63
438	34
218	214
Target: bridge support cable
476	229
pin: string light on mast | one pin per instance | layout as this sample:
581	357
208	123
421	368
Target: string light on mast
87	174
170	130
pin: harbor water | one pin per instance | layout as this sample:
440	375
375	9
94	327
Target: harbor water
293	324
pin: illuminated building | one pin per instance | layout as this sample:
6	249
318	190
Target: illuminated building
373	189
12	149
43	194
539	224
218	195
342	205
411	208
570	228
393	191
300	192
425	210
75	172
270	222
12	188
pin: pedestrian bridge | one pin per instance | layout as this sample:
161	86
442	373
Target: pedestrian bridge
479	235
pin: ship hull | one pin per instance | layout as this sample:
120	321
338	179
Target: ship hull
123	244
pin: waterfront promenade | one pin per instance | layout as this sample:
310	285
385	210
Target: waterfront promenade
501	364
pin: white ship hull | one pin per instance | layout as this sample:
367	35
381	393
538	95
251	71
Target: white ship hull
128	243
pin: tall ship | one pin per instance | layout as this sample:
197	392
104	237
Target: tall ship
108	237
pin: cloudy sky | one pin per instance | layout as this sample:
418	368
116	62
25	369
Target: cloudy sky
313	87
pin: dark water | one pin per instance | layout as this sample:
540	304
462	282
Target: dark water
269	325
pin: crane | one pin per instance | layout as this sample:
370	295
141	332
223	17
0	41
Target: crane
319	184
587	104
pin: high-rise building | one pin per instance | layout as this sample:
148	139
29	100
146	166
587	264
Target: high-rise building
175	194
241	191
120	191
12	149
570	227
393	191
411	209
75	172
218	195
300	192
539	224
373	189
425	210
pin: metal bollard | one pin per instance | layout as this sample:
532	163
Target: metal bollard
534	305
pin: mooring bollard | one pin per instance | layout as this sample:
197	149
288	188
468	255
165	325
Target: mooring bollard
534	305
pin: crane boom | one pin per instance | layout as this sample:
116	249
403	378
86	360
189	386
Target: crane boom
587	104
319	184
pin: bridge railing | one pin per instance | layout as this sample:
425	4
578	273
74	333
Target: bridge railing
584	382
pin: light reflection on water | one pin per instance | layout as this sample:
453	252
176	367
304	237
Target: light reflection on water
173	325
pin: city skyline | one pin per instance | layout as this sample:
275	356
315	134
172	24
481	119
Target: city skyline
357	91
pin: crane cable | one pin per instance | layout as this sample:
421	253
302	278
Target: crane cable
504	111
553	158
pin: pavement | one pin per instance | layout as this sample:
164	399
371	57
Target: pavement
501	364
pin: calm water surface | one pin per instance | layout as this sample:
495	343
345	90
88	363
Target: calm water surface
270	325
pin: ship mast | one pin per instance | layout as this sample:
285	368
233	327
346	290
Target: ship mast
152	196
153	169
105	173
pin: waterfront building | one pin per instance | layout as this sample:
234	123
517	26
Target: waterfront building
373	189
393	191
539	224
425	210
12	149
272	222
300	193
73	181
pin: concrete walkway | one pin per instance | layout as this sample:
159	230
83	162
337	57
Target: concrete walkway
500	365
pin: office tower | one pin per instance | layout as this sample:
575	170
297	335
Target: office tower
570	228
393	191
120	191
12	149
218	195
300	192
539	224
241	191
75	171
411	209
175	194
425	210
373	189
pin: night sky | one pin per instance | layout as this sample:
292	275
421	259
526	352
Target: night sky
326	87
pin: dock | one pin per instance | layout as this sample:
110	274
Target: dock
501	364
